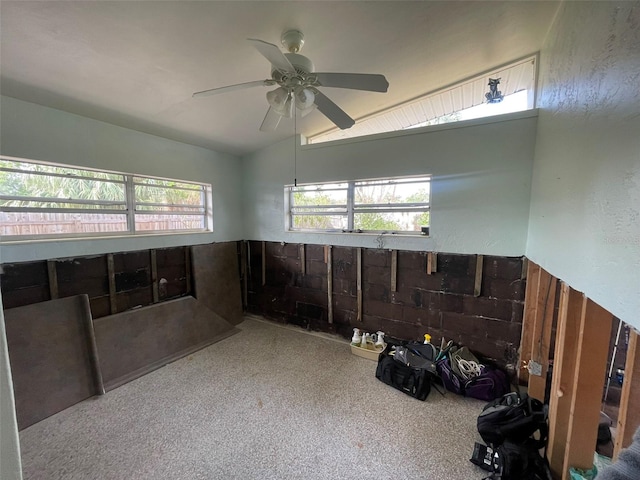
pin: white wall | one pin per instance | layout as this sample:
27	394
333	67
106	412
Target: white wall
480	190
585	204
40	133
10	468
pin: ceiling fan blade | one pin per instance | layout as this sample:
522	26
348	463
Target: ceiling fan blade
273	54
271	121
231	88
355	81
333	112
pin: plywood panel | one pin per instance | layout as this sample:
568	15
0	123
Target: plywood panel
50	357
217	279
133	343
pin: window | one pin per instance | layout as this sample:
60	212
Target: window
463	100
394	205
39	200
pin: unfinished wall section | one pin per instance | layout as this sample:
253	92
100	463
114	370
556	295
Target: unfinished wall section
114	282
481	309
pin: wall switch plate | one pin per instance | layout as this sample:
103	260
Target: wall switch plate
534	368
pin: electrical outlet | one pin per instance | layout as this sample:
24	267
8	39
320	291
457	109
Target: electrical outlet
534	368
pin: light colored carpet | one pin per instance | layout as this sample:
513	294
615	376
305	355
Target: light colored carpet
268	403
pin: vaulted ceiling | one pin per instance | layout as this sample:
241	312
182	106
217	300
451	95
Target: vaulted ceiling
136	63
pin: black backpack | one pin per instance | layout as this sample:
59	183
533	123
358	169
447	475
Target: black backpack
514	417
519	461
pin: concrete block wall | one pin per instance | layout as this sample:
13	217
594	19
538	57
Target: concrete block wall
442	304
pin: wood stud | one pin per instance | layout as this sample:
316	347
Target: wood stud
154	276
570	311
187	264
329	261
264	263
477	288
112	284
629	413
591	360
303	259
432	262
244	253
53	279
530	306
394	270
541	334
359	281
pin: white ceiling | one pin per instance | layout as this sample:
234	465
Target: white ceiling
136	64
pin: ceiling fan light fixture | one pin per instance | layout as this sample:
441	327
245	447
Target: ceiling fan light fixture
305	98
281	102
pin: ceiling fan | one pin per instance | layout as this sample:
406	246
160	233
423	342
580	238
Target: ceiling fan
298	84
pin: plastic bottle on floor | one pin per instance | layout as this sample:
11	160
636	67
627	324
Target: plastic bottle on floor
357	337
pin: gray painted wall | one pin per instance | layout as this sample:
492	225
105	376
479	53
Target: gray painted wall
10	467
585	203
480	186
40	133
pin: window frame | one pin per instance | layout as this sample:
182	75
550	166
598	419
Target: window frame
129	203
352	208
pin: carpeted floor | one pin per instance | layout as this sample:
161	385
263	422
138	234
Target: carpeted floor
267	403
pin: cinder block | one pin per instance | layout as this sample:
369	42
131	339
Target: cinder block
315	267
488	307
315	252
377	275
456	265
450	302
506	268
344	286
315	282
170	256
422	317
22	275
292	250
25	296
127	261
345	255
504	289
459	285
410	260
86	267
383	309
92	286
310	311
375	292
348	318
344	302
376	257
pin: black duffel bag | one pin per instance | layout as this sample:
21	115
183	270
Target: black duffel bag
413	381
